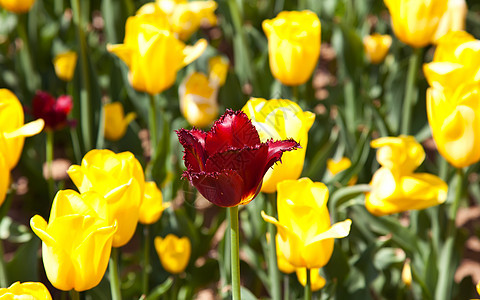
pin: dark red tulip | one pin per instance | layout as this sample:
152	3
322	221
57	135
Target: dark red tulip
227	163
53	111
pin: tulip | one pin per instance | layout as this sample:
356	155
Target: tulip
415	21
186	17
395	187
317	281
174	252
153	53
116	122
198	100
407	274
293	45
218	70
337	166
12	129
454	118
306	236
376	47
65	64
281	119
17	6
152	207
53	111
227	163
77	240
454	19
120	174
26	290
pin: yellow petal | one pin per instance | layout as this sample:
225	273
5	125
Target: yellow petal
316	281
65	64
174	252
26	290
152	205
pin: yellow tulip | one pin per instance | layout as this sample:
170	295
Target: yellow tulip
293	45
456	61
415	21
186	17
454	19
337	166
65	64
279	119
316	281
152	205
17	6
121	177
395	188
174	252
76	241
26	290
4	179
153	53
12	129
376	47
454	118
407	274
198	100
116	122
478	287
306	236
218	70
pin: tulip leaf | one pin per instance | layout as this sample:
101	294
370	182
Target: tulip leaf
160	290
24	265
246	294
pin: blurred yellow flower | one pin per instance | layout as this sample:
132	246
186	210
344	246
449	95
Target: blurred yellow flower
337	166
316	281
17	6
152	205
395	188
454	118
117	177
280	119
4	178
454	19
116	122
174	252
415	21
376	47
76	241
198	100
12	129
306	236
26	290
153	53
218	70
65	64
452	100
293	45
407	274
186	17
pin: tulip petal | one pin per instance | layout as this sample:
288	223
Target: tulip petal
28	129
193	142
221	188
276	149
233	130
193	52
338	230
246	162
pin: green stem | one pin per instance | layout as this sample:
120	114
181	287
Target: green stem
286	286
85	94
153	126
3	270
234	240
410	95
273	272
146	258
49	158
74	295
350	105
113	274
308	288
295	93
447	261
32	80
58	7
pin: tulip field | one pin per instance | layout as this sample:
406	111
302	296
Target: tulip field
229	149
